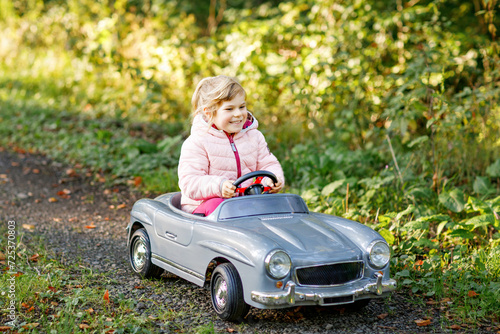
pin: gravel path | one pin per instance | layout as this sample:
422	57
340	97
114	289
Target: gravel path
60	202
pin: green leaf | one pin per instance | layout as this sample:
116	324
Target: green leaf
462	233
416	225
483	220
403	273
479	206
418	141
146	147
453	200
482	186
407	282
494	169
434	218
441	227
387	235
331	187
408	210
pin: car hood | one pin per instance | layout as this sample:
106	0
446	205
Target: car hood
305	236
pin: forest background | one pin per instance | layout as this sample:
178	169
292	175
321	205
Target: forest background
384	112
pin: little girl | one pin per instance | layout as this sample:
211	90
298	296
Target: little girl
224	144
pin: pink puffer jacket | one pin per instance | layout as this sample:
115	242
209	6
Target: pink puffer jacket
207	160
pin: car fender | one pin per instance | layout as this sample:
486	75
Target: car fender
226	251
358	233
142	212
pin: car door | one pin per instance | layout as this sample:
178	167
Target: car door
173	228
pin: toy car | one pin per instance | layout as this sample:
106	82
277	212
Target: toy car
264	250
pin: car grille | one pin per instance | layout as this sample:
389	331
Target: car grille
331	274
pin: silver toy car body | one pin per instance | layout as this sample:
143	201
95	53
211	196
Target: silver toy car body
267	251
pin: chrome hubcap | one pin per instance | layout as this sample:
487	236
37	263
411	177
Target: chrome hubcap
220	293
139	254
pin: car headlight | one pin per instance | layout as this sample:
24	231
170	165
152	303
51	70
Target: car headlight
278	264
380	254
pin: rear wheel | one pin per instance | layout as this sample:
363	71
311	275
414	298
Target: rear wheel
140	255
227	293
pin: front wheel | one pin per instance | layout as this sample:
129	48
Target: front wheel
227	293
140	255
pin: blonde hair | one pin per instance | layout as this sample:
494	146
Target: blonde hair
212	91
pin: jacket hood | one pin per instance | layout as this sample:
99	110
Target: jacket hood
200	125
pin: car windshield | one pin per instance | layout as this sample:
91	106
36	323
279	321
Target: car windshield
262	205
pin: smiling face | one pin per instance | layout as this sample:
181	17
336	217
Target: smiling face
231	115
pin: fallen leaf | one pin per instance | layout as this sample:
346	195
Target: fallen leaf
31	325
24	305
121	206
472	294
19	150
52	199
137	181
51	288
36	171
2	256
64	193
83	326
29	227
422	322
106	296
230	330
54	303
91	226
90	310
455	327
35	257
5	328
18	274
382	316
71	172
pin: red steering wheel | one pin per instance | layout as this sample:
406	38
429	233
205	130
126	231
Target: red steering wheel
256	188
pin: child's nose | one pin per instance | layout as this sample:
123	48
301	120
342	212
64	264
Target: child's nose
238	113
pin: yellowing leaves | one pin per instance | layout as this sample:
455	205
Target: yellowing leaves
106	296
423	322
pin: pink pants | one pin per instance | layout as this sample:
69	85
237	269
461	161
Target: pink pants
209	206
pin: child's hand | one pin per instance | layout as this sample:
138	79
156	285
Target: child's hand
275	187
228	190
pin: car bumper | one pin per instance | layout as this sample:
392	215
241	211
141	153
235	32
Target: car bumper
292	296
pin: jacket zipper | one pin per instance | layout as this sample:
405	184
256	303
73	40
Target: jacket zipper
236	154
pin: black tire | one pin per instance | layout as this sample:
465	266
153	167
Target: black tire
227	293
140	255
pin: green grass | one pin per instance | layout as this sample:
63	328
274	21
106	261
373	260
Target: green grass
466	284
